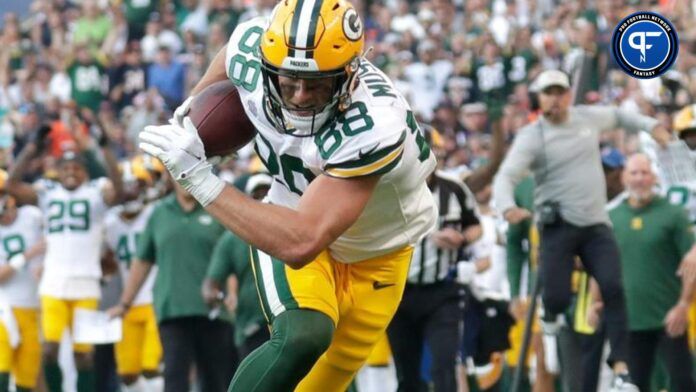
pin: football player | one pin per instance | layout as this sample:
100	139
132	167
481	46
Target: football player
684	192
159	186
331	249
21	247
139	352
73	208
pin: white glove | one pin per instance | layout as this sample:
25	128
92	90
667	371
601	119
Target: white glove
181	112
465	272
181	150
17	262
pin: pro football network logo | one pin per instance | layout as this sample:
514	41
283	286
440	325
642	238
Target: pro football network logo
645	44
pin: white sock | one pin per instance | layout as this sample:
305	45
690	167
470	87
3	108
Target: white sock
155	384
376	379
137	386
551	354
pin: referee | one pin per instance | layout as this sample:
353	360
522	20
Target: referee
561	148
429	311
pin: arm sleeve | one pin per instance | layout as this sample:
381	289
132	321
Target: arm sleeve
221	261
515	166
634	122
145	247
609	118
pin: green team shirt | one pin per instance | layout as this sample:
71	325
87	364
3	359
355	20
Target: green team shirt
491	82
181	243
518	65
138	11
231	257
652	239
87	84
518	241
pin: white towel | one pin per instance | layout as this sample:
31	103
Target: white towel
8	319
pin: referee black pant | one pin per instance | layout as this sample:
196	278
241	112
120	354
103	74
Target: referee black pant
597	248
427	314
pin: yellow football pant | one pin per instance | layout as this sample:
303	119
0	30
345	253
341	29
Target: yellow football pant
24	361
381	353
516	336
57	315
140	348
360	298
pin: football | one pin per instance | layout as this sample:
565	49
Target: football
220	119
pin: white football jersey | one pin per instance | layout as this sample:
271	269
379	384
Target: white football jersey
377	134
21	289
676	170
74	230
491	283
121	238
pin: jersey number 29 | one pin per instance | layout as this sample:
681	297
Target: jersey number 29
70	215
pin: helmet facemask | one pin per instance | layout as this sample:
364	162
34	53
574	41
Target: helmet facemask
135	198
285	116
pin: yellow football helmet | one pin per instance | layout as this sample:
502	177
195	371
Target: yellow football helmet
135	170
311	39
684	120
158	186
136	181
149	163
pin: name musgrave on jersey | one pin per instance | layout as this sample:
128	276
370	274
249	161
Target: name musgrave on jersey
375	81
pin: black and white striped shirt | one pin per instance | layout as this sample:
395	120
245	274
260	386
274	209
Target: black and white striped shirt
457	206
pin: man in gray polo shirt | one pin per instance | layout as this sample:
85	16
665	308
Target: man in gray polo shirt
561	149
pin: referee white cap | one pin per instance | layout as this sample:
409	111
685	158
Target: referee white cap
550	78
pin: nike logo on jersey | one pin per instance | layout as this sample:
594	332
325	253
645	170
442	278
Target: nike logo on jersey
379	285
362	154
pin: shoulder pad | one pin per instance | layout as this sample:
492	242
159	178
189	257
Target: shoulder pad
242	59
362	142
375	86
